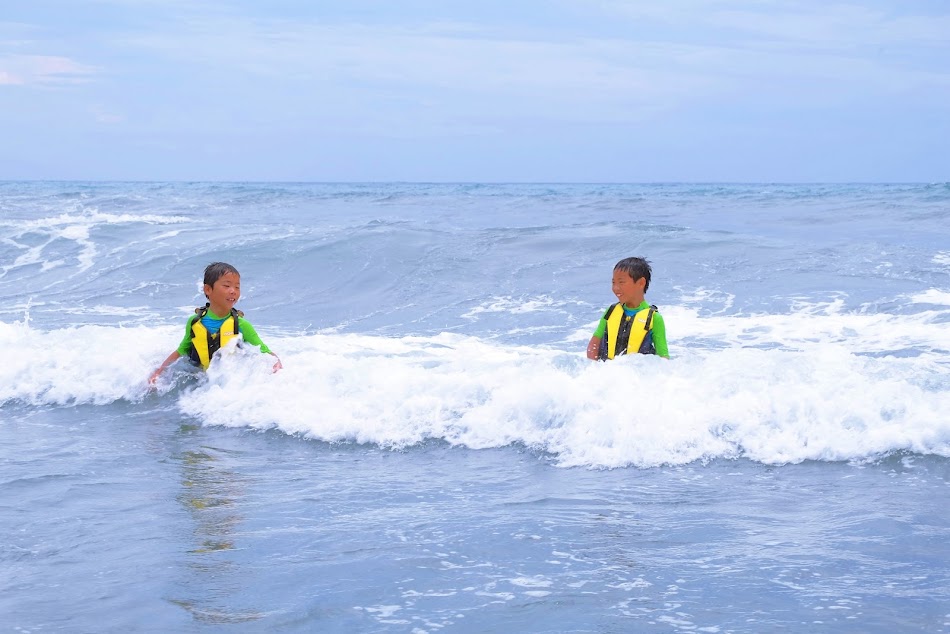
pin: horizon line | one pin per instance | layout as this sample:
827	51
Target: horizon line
454	182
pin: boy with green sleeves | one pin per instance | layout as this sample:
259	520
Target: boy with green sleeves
214	325
630	325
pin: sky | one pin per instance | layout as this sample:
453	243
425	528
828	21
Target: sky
487	91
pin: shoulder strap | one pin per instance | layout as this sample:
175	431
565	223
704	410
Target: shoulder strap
602	349
648	324
201	311
237	314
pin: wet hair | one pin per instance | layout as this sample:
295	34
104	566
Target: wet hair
635	268
216	270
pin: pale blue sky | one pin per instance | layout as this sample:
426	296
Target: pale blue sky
552	91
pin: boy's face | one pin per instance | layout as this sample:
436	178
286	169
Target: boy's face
628	290
224	294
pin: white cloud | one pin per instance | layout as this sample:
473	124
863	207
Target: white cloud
830	26
466	70
9	79
478	72
45	70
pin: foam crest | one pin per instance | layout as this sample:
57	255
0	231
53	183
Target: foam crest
518	306
36	241
86	364
817	400
770	406
932	296
811	324
90	218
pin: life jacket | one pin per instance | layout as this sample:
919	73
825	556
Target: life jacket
627	332
203	344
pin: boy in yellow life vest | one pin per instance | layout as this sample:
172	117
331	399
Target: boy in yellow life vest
631	325
215	324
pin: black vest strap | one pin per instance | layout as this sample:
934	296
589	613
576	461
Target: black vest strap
648	324
602	349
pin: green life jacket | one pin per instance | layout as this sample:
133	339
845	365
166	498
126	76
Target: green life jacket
627	332
203	344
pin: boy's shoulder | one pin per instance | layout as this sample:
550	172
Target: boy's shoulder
644	305
201	311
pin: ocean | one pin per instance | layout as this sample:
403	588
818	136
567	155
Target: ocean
437	454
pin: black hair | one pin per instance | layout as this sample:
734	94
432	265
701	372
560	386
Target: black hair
216	270
635	268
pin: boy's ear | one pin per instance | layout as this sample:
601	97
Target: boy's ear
207	290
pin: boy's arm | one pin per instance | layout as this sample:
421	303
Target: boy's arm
593	346
250	336
659	336
174	356
183	349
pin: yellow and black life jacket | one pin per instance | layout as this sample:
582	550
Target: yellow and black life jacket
203	344
627	332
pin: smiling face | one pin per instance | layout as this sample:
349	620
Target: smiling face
628	290
224	294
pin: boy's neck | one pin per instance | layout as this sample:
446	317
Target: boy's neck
219	311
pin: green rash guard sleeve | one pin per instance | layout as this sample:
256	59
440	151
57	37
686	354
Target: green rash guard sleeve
184	348
250	335
247	331
659	336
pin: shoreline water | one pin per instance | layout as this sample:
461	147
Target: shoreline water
437	454
270	530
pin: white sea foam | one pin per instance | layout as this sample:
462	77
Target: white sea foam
516	306
89	218
932	296
34	255
74	228
531	582
705	297
86	364
775	388
811	324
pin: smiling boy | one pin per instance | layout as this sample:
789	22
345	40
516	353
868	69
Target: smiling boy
631	324
216	323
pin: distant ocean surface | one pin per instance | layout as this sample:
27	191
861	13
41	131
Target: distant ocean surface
437	454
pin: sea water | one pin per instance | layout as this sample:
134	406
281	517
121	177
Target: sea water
438	455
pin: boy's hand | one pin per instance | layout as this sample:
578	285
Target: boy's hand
278	365
593	349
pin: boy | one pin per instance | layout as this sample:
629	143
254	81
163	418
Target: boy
212	326
631	324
